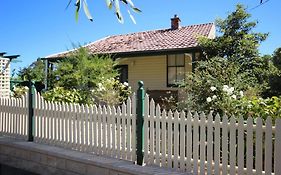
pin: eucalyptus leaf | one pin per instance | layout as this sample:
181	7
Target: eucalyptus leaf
77	4
124	1
131	3
108	3
136	9
132	17
118	12
86	10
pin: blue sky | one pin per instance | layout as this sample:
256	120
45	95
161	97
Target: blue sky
37	28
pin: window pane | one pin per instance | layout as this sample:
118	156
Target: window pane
180	60
171	75
171	60
180	74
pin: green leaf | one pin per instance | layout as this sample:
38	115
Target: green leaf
136	9
77	4
86	10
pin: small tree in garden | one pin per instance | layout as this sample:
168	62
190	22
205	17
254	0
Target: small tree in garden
34	72
79	77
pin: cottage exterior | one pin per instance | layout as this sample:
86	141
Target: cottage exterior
160	58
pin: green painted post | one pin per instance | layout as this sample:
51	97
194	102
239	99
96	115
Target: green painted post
139	123
30	111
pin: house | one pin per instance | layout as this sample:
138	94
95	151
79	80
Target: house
160	58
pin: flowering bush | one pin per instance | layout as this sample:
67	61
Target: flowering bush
223	99
111	91
61	94
18	91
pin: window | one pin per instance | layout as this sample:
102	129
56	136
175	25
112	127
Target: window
175	69
123	71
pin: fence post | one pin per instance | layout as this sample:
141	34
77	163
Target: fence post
139	123
30	111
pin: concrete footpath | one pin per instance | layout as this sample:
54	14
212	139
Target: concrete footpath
50	160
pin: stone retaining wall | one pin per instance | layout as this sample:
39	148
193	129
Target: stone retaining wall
49	160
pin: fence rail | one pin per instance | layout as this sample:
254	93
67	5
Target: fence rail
192	142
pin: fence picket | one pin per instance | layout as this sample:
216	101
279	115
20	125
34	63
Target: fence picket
217	145
240	148
169	143
268	146
232	146
123	131
113	121
104	129
134	127
86	131
128	131
277	152
188	142
118	136
224	142
157	133
195	143
258	145
151	133
202	143
209	143
163	139
95	129
91	113
249	146
182	136
145	125
176	140
109	128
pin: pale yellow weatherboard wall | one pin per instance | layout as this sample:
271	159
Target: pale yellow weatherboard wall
152	70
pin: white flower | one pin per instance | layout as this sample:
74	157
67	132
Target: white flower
209	99
231	89
225	88
126	84
241	93
214	97
233	96
213	88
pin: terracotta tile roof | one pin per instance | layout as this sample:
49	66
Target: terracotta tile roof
155	40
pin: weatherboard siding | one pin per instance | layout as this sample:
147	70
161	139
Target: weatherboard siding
152	70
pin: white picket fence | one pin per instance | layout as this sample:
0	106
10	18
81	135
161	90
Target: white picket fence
106	131
187	142
208	145
14	117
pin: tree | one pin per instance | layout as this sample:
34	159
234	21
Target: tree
33	72
236	42
86	78
274	79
